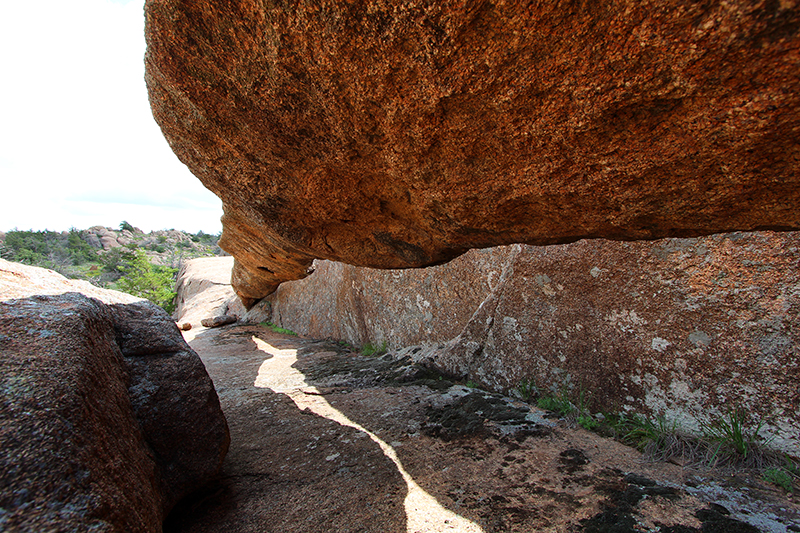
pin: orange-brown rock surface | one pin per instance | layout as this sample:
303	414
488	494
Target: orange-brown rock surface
393	136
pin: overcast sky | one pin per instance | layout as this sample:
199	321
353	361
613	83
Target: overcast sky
78	143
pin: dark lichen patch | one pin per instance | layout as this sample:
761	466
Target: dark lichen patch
452	422
651	488
341	367
716	519
572	460
624	493
481	413
610	521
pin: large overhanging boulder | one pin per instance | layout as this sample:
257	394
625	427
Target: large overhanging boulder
391	136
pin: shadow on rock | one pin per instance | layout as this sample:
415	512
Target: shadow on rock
288	469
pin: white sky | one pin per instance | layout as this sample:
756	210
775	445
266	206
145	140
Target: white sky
78	143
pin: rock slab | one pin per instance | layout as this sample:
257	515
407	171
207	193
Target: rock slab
685	328
395	136
108	417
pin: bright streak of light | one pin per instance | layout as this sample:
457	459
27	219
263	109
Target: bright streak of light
423	513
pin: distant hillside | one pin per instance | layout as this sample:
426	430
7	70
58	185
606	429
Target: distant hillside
127	259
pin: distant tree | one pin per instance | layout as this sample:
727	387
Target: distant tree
34	247
116	258
143	279
79	250
124	225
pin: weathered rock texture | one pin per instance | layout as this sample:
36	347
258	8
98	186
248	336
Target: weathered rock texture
686	328
107	417
205	292
211	277
398	136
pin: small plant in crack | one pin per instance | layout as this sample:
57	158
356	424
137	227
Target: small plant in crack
278	329
370	349
784	477
527	390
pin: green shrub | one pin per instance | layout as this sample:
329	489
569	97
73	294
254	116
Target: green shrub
141	278
779	476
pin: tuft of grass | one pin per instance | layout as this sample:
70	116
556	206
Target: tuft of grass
370	349
559	404
527	390
726	442
731	442
658	439
278	329
732	433
471	384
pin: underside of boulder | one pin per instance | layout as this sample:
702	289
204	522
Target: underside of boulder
395	136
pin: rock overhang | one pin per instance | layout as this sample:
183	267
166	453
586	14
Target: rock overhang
401	136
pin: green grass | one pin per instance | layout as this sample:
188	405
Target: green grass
527	390
278	329
370	349
576	409
559	404
587	421
779	476
732	435
727	441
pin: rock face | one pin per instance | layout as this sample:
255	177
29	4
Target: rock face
401	136
685	328
205	292
107	416
211	277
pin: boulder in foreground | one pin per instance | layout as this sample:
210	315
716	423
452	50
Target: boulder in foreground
107	416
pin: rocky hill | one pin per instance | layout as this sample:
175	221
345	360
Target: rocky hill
106	257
